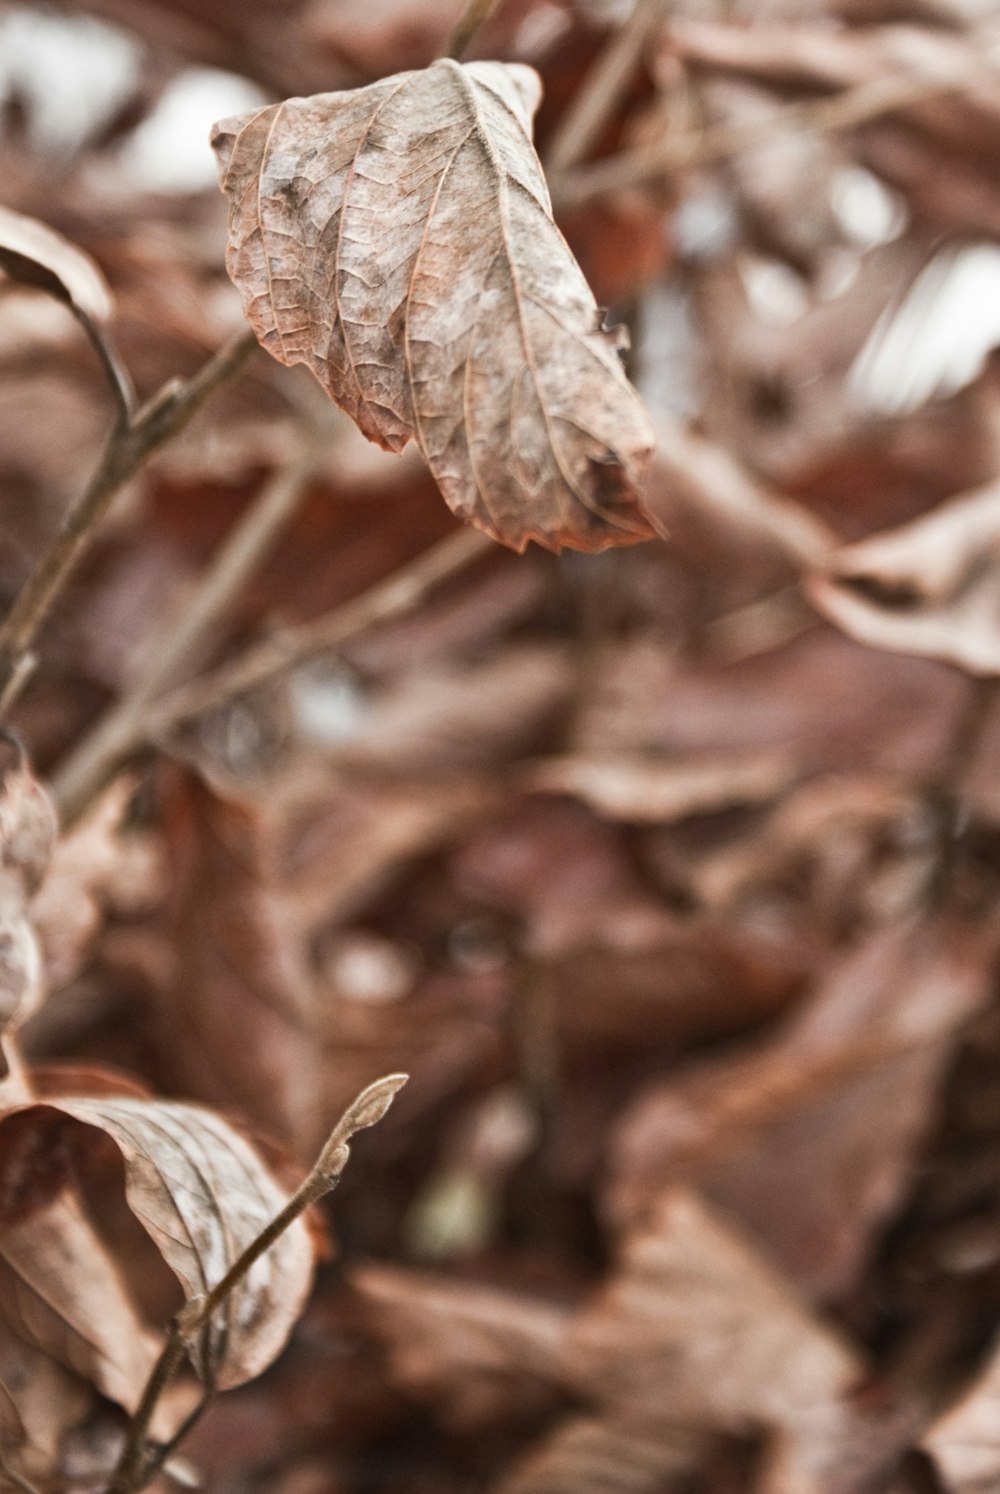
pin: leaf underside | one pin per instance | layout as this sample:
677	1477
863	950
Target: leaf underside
398	239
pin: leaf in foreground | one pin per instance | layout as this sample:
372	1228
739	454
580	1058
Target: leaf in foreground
398	240
202	1194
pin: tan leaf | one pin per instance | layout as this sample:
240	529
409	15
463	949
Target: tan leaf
38	256
202	1194
807	1140
655	790
964	1441
398	239
63	1295
697	1326
49	1416
931	587
475	1353
590	1456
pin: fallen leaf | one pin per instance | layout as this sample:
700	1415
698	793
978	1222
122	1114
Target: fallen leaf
655	790
808	1140
475	1353
38	256
48	1415
265	876
931	587
398	239
695	1328
27	837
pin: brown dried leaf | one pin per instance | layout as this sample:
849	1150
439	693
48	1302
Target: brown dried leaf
202	1194
475	1353
38	256
398	239
64	1295
808	1140
695	1328
931	587
49	1417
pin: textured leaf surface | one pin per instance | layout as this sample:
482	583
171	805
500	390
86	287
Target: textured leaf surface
398	239
201	1193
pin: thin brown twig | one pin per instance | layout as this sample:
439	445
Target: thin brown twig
129	446
135	1463
122	727
603	88
398	594
476	14
860	105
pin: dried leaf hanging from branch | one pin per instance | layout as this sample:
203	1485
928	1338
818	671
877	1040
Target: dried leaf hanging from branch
398	239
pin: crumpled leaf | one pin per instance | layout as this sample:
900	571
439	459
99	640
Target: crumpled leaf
36	255
808	1140
201	1193
698	1329
398	239
931	587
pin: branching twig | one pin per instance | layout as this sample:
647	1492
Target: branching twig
868	101
603	88
476	14
383	602
135	1464
123	726
130	445
155	720
386	600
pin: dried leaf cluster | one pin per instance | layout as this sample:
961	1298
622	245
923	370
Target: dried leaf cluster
670	875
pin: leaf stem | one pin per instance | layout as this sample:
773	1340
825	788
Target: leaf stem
476	14
122	726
